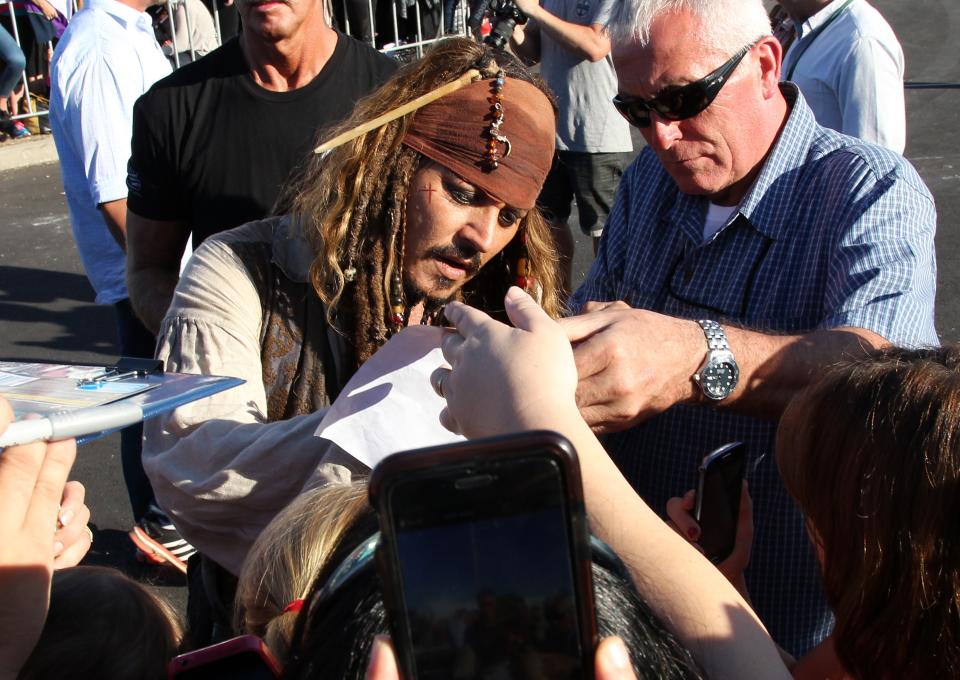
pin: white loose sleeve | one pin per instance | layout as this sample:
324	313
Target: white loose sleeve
871	94
217	467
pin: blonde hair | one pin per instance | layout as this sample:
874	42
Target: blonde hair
286	558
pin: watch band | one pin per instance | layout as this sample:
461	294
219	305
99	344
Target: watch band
716	338
719	373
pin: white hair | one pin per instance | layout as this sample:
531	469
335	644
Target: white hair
728	25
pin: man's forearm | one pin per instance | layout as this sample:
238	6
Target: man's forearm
587	42
151	291
115	215
773	368
153	265
635	364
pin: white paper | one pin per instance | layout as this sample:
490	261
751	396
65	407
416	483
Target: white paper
389	405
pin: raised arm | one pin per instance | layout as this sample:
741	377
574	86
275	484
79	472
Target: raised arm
586	41
526	379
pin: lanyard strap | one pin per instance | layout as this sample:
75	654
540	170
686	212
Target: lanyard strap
813	36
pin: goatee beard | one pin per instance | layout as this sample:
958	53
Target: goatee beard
415	295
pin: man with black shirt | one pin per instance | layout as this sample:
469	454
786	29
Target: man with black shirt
214	142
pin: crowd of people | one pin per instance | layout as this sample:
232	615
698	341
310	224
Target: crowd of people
764	273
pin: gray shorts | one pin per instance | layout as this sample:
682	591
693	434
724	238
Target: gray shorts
590	177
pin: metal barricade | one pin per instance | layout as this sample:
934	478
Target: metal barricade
398	27
401	28
410	24
15	32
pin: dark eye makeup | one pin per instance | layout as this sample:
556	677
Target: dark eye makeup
465	194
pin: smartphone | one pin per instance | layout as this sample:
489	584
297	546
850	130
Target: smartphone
717	505
484	559
244	658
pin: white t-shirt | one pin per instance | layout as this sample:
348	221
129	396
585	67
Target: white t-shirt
717	218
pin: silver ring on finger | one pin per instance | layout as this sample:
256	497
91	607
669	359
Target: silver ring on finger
438	382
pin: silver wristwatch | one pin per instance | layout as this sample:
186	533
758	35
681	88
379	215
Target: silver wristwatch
719	373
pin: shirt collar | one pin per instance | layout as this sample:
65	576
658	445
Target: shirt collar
764	205
127	16
818	19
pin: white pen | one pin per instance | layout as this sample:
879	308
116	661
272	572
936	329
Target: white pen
71	424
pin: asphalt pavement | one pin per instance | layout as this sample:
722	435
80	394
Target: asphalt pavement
47	311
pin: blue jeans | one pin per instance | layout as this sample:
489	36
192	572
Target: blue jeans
13	63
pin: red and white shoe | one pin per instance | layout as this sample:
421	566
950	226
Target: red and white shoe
159	541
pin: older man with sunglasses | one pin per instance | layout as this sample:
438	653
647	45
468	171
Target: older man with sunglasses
748	248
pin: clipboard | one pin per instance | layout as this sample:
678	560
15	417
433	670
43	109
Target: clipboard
55	389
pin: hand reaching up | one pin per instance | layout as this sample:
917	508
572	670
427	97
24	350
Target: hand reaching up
518	374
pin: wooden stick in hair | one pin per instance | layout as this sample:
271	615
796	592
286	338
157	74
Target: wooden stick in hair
470	76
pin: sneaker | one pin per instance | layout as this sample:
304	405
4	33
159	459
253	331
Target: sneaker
159	541
19	130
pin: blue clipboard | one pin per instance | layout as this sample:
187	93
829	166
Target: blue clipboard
51	389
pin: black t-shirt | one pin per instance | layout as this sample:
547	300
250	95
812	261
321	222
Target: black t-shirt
212	148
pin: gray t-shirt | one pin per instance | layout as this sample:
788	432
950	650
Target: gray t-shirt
584	89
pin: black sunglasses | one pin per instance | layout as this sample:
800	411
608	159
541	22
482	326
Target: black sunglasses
680	102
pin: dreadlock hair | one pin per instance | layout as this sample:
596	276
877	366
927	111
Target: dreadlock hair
352	203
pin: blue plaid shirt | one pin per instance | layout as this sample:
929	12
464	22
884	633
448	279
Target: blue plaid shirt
833	232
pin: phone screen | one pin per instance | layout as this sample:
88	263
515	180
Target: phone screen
718	500
487	573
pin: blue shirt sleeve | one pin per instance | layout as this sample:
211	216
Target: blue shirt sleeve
882	274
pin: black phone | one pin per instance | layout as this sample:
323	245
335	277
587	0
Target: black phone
241	658
485	561
717	506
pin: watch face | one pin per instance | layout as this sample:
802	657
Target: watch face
719	379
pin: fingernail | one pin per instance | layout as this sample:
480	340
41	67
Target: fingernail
57	548
65	517
617	654
379	644
514	293
692	533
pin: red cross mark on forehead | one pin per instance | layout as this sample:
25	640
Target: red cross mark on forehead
429	191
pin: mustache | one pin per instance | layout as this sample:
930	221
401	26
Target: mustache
465	255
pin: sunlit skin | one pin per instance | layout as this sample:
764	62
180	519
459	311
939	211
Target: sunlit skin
278	20
453	229
718	152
